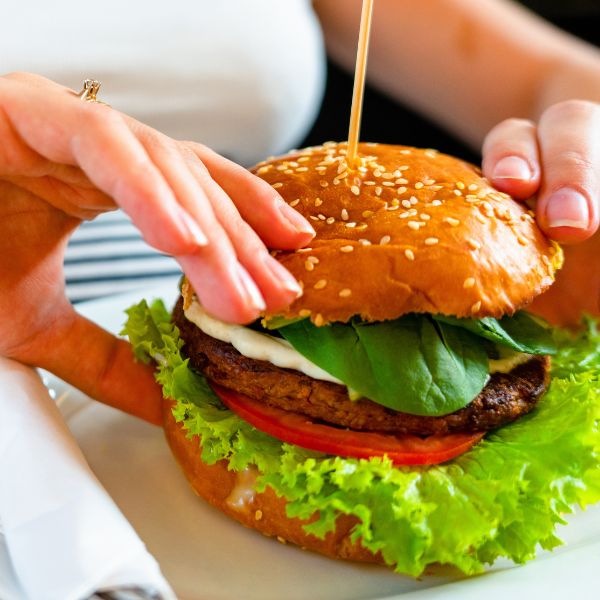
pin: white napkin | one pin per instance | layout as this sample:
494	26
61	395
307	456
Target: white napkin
61	535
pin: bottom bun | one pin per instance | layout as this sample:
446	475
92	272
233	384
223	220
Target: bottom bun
232	493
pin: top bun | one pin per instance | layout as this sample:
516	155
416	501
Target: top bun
409	230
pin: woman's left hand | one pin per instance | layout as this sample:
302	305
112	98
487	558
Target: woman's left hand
557	160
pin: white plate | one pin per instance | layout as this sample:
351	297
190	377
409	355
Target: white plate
207	556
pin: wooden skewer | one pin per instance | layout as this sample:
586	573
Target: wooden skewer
359	83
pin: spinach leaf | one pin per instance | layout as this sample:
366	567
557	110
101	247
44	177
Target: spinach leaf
522	331
412	364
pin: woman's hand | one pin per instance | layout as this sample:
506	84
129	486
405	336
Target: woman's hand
62	161
557	159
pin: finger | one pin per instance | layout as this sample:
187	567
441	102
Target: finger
277	286
568	208
277	224
56	124
99	364
510	158
223	284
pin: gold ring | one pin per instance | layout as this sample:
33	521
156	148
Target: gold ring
91	87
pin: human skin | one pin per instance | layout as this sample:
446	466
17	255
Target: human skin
62	161
504	80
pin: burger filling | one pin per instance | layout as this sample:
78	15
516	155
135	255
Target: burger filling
273	367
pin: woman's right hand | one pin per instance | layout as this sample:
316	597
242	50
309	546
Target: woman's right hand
62	161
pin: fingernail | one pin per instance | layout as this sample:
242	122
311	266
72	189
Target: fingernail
567	208
282	275
252	292
512	167
298	222
192	227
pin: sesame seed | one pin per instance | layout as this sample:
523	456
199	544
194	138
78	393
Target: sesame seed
301	169
367	213
323	184
460	185
436	203
435	188
403	168
313	218
388	175
304	312
289	171
425	216
404	215
419	185
355	190
321	216
457	193
393	207
522	240
351	225
414	225
474	244
406	203
386	239
405	152
258	515
281	168
472	187
387	183
429	181
480	218
344	214
345	293
303	158
320	284
277	185
365	242
320	170
281	540
377	173
414	200
295	202
347	249
318	202
401	181
369	183
469	283
309	266
318	321
341	168
313	259
263	170
430	153
330	220
378	191
409	254
304	250
431	241
475	308
452	221
401	190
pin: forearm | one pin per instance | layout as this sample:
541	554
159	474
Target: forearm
467	65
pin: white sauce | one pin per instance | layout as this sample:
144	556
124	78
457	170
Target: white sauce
256	345
280	352
242	494
505	365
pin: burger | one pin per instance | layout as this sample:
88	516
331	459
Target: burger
400	410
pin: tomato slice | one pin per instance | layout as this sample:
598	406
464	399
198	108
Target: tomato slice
295	428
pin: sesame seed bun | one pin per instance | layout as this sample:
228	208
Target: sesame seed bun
410	230
263	511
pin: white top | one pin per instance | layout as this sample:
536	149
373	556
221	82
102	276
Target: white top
244	77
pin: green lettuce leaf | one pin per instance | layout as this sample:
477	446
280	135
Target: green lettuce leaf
411	364
503	498
522	332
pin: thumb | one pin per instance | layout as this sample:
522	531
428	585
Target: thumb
99	364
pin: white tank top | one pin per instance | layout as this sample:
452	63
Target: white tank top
244	77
